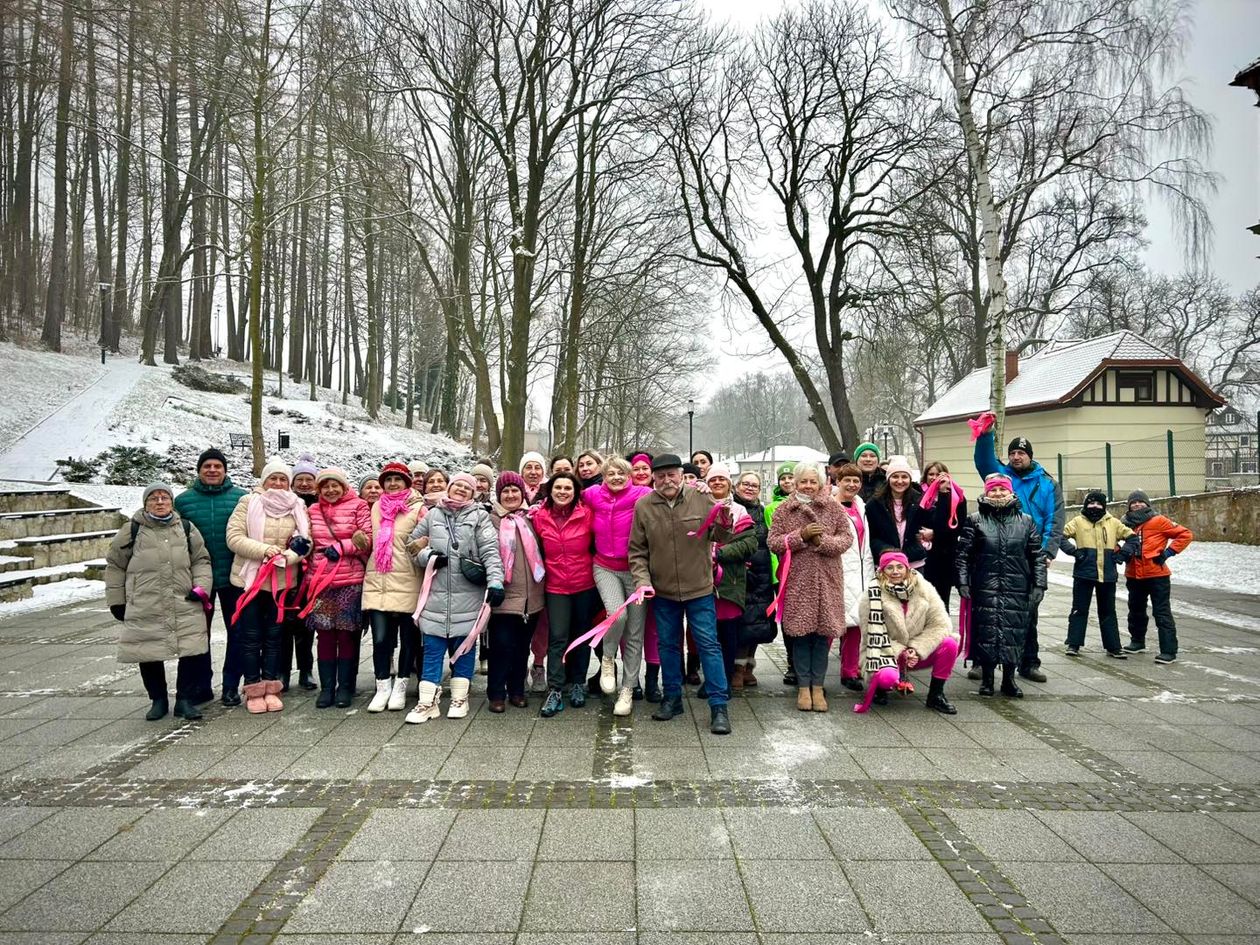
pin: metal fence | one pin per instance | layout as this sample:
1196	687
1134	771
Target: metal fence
1162	465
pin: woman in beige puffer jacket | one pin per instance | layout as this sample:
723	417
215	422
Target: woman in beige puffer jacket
154	570
269	528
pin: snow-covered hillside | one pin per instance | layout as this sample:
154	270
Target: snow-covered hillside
157	412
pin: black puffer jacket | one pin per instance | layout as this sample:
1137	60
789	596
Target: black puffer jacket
883	526
1000	560
758	584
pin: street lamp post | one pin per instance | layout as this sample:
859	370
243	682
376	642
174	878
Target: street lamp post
691	413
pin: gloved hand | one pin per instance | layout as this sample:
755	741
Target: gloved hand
495	595
332	554
964	592
1164	555
361	541
119	611
439	560
1036	595
300	546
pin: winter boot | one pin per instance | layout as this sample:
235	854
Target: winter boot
750	681
608	675
975	672
652	687
936	698
852	683
737	678
1009	689
186	709
577	695
459	698
818	698
158	710
384	687
272	695
256	697
670	706
625	700
305	681
428	704
231	698
346	670
804	699
398	694
327	686
986	680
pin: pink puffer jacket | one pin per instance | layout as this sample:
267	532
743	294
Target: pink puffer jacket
333	524
613	515
566	548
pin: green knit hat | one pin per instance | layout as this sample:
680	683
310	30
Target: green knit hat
784	470
863	447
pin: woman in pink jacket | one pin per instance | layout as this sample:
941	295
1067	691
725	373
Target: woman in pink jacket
564	524
341	529
612	506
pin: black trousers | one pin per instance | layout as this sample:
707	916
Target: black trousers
1031	658
299	641
262	639
1078	619
568	617
392	628
153	675
728	638
1157	590
226	599
508	653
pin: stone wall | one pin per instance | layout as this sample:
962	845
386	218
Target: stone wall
1213	516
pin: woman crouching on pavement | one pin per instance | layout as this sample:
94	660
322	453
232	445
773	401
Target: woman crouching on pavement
457	548
156	574
905	626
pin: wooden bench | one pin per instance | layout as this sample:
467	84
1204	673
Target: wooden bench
240	441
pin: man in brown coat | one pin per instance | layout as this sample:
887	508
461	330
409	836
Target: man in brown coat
671	552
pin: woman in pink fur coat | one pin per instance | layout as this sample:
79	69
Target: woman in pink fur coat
815	529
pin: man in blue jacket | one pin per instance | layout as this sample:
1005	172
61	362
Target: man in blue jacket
1040	497
208	503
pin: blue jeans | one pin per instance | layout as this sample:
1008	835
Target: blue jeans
701	613
435	654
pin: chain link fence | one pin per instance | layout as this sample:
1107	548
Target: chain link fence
1169	464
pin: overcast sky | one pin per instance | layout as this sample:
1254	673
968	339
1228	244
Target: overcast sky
1226	38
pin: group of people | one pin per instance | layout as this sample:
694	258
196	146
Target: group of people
665	573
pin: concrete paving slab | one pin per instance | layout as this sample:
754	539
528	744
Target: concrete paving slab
775	835
912	896
493	835
400	835
856	833
818	900
681	835
161	835
691	895
442	904
197	896
599	835
69	834
82	898
348	898
1187	899
1081	898
257	834
580	897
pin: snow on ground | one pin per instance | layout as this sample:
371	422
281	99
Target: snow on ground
54	595
1222	565
37	382
127	499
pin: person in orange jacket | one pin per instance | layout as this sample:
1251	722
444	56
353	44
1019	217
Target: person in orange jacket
1147	575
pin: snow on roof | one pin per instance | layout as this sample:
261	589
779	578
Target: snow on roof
784	454
1045	377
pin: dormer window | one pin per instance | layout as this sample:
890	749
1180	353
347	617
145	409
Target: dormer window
1135	387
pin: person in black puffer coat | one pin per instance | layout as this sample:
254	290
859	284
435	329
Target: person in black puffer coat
1002	571
757	627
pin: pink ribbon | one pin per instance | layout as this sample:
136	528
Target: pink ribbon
483	617
709	521
981	425
206	603
955	498
322	578
266	574
775	609
594	635
510	528
430	572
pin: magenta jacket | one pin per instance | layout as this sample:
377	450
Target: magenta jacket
333	525
614	514
566	548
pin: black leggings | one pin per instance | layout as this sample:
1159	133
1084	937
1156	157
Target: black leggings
568	617
262	639
390	628
510	635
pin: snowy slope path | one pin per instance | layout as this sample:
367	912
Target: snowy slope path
79	427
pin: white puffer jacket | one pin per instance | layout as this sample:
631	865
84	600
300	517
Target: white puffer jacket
859	568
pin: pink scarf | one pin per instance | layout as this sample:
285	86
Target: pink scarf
454	505
271	503
513	527
955	498
392	505
859	527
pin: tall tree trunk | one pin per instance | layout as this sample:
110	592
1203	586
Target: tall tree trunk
54	309
122	191
104	260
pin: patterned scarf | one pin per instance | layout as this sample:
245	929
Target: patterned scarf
879	651
392	505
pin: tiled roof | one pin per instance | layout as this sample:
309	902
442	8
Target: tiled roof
1045	377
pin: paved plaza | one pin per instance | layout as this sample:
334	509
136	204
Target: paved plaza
1116	804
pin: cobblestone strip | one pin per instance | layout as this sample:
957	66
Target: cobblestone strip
602	795
994	895
1095	761
263	913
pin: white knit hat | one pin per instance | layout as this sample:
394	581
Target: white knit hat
532	457
275	465
899	464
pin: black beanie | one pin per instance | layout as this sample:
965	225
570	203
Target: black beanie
1137	495
212	453
1020	443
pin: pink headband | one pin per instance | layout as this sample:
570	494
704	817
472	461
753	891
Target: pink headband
893	557
997	480
641	456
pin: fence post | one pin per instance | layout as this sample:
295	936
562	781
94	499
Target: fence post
1111	492
1062	484
1172	471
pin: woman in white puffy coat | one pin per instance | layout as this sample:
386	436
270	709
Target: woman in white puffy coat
859	569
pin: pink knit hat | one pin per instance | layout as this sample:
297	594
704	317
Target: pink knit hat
466	479
899	464
893	557
718	469
996	480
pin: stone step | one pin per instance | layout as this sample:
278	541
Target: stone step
8	563
50	551
58	522
20	585
14	498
